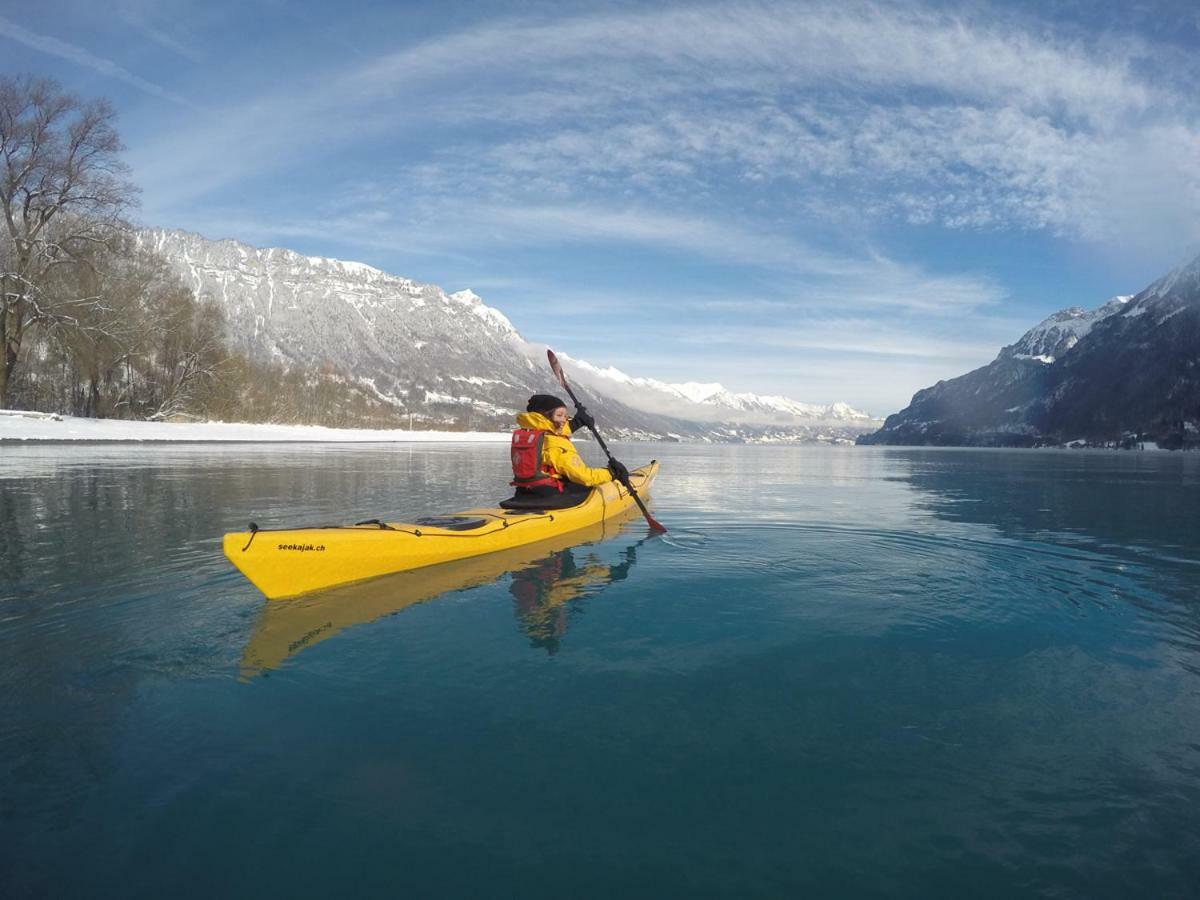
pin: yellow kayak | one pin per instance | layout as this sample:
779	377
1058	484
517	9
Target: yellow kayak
287	563
285	629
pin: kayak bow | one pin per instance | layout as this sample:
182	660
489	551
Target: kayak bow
287	563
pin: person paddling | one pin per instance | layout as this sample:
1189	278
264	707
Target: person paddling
547	470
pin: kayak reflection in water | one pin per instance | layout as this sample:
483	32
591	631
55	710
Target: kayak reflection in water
286	629
542	591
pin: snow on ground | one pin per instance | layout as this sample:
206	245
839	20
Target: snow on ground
18	426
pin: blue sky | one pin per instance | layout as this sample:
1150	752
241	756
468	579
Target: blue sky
832	201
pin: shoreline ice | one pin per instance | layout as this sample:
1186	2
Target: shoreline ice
28	427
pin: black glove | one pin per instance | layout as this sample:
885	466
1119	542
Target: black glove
583	419
619	472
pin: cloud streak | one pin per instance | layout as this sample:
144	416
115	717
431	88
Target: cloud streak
751	45
144	17
809	278
809	109
85	58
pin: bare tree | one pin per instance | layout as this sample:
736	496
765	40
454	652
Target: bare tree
189	355
63	189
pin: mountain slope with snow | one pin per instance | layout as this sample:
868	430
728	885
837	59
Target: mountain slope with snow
1131	366
1053	337
711	402
448	359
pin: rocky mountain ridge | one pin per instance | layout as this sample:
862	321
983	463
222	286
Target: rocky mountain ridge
1126	371
448	360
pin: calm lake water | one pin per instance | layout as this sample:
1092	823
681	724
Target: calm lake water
845	672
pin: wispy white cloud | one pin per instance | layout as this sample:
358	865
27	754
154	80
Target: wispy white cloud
806	277
707	238
959	167
146	17
359	235
85	58
847	337
811	106
751	45
809	277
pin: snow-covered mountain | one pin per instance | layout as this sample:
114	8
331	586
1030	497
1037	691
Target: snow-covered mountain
711	402
1129	367
447	358
1053	337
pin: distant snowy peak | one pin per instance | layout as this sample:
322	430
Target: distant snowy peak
716	395
1056	335
845	411
475	304
773	403
710	398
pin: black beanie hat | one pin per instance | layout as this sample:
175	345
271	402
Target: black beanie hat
544	404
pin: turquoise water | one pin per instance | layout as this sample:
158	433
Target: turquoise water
866	672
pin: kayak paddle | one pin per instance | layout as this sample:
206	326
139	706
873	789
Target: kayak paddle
562	379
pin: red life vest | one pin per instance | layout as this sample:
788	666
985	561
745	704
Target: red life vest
528	469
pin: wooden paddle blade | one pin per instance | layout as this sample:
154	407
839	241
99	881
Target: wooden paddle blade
656	527
556	367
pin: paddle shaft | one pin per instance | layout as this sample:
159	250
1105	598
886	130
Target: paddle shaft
562	379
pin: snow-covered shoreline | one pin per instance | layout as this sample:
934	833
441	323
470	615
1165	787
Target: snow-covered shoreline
16	425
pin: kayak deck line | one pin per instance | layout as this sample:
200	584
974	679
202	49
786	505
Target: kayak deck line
289	562
255	530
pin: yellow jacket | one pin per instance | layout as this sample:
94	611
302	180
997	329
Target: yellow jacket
559	453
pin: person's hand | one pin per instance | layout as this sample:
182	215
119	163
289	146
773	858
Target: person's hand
618	470
583	419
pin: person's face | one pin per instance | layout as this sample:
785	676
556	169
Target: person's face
559	417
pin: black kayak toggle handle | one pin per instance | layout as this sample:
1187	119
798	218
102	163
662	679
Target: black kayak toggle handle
253	535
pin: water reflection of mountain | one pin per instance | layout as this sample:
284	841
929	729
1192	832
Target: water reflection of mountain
1119	498
546	577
